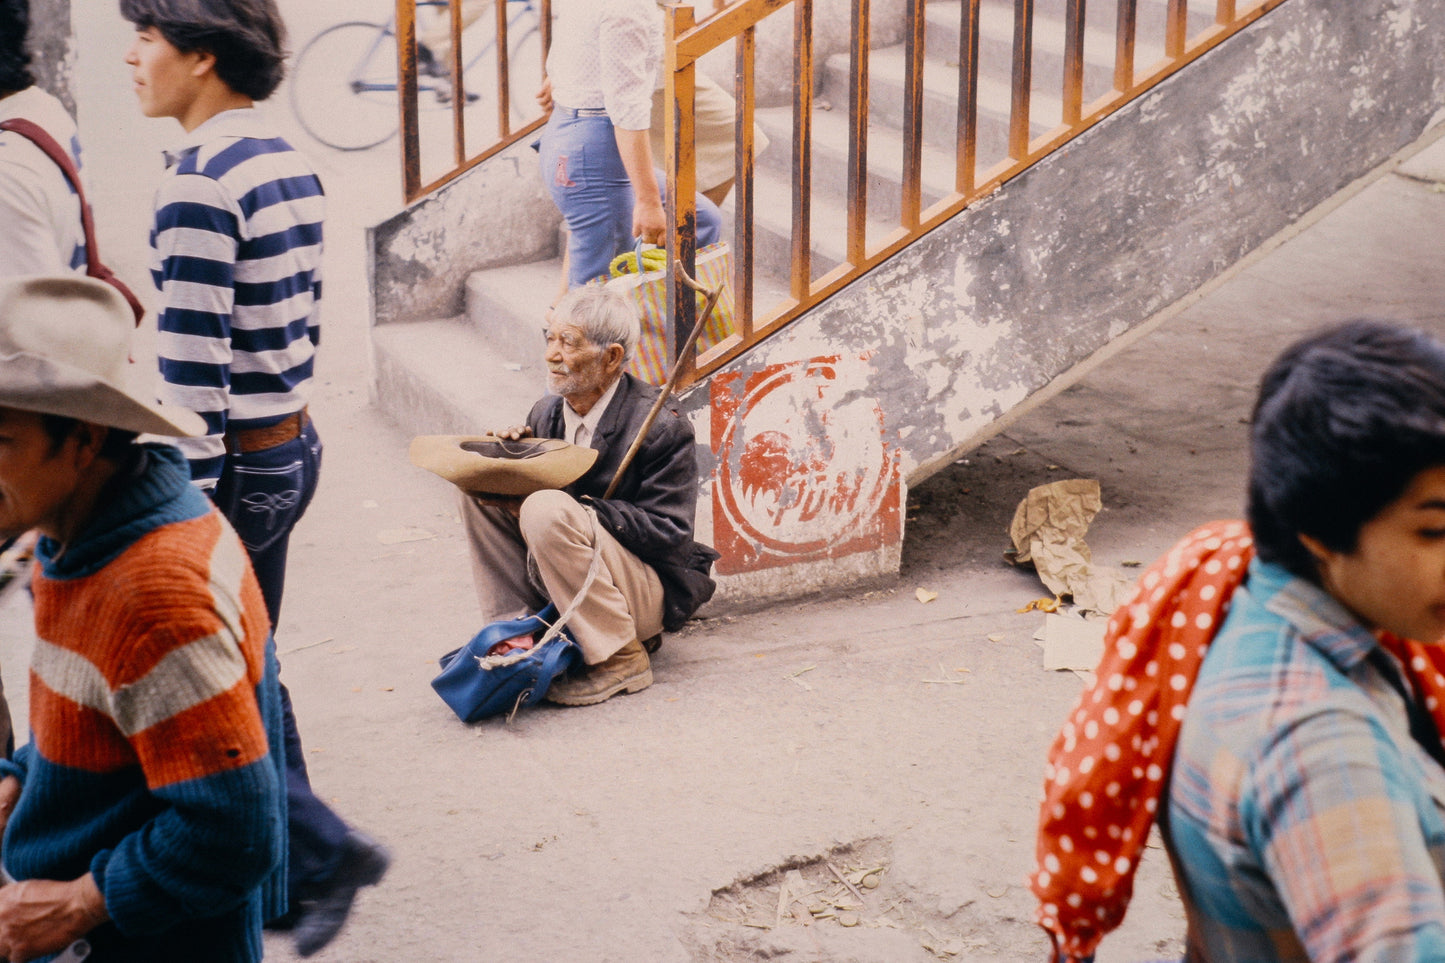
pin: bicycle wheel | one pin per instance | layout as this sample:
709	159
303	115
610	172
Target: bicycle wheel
343	86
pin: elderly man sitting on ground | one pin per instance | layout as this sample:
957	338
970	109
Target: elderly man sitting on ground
653	576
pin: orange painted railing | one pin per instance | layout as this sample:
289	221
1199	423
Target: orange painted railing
496	83
868	241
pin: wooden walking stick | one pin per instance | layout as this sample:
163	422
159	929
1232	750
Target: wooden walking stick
712	295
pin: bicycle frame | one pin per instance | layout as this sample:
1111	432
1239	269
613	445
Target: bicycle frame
389	30
507	132
361	86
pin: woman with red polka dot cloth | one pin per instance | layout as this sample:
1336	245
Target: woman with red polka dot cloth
1303	791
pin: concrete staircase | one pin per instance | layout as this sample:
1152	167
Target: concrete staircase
811	440
482	369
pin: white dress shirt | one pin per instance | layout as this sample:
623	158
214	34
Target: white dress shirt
581	428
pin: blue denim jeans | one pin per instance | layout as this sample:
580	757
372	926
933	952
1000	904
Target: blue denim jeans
264	494
583	170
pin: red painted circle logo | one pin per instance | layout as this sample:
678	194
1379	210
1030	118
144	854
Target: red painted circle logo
804	470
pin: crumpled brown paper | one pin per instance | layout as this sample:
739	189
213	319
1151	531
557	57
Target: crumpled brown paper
1049	526
1048	530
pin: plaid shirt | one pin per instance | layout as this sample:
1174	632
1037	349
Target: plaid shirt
1304	819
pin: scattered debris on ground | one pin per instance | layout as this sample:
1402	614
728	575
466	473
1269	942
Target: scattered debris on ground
847	904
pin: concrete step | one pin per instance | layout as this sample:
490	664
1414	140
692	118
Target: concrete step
773	233
887	70
443	378
943	29
1049	8
507	305
1103	15
830	160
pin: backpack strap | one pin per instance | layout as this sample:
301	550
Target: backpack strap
38	136
555	660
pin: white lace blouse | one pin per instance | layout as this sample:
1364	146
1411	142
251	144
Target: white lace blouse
605	53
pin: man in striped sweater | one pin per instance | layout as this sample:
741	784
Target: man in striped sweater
146	814
237	257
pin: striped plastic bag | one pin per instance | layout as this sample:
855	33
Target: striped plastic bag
652	357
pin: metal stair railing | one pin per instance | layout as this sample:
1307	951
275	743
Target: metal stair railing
500	86
688	41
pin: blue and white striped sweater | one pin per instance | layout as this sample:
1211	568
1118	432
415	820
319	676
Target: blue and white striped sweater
236	253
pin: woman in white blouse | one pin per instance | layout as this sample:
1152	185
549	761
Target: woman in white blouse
595	154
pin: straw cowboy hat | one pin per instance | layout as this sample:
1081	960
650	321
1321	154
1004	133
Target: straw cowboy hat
488	465
65	350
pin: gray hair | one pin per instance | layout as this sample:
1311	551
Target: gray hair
605	315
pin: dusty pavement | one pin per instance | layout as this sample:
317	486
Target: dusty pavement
870	732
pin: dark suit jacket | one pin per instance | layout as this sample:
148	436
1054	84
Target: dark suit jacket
651	513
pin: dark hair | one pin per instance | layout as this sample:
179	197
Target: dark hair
117	442
247	37
1345	420
14	55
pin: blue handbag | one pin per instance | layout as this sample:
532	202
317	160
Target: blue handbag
477	685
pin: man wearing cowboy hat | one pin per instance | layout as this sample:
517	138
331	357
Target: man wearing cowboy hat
526	551
146	814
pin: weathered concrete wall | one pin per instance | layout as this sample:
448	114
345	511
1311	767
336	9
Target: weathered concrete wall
916	361
806	489
497	214
54	47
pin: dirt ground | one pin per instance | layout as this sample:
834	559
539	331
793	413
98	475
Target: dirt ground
845	779
873	735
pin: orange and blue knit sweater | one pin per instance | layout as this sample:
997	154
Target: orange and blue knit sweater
155	757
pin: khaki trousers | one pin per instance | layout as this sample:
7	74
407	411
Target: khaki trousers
714	133
518	564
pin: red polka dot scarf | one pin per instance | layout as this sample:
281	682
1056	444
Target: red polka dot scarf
1108	764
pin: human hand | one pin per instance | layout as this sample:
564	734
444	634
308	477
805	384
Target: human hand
9	796
544	95
42	916
513	433
649	222
514	644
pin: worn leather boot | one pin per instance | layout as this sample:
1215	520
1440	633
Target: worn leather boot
627	670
